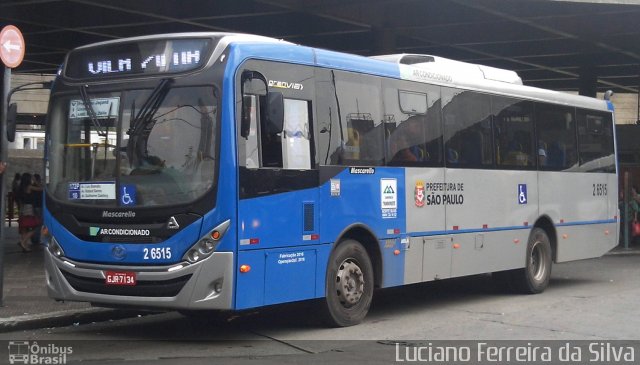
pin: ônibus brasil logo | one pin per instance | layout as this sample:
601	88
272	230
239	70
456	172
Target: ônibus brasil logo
30	352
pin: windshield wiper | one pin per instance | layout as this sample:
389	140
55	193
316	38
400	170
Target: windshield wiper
140	126
149	108
92	113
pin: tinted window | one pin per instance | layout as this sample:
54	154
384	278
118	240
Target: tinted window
467	128
595	137
514	136
556	128
412	124
350	125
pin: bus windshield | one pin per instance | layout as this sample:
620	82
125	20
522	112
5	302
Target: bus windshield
133	148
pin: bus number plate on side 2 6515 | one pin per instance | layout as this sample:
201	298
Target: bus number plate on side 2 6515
120	278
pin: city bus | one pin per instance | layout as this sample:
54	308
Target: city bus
217	171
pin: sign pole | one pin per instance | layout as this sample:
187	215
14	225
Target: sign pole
6	85
11	53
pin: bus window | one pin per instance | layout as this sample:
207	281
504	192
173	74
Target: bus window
595	141
296	146
514	137
556	130
351	131
413	130
467	128
252	153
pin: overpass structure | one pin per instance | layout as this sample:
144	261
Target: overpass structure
581	45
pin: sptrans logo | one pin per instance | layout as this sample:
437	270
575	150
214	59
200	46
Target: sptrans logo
27	352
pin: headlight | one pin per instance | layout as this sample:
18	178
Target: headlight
207	244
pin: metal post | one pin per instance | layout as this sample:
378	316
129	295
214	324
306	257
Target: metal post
6	85
625	202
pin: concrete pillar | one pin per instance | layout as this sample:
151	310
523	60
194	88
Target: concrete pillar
588	82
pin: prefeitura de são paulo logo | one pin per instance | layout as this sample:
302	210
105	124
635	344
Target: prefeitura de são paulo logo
419	193
30	352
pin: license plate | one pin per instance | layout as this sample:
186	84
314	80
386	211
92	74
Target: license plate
120	278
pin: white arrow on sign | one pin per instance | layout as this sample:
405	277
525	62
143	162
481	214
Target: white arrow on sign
11	47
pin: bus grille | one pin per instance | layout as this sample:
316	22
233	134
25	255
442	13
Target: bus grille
159	288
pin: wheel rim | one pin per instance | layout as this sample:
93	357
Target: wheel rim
349	283
537	262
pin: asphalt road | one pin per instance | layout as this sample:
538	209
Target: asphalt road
593	300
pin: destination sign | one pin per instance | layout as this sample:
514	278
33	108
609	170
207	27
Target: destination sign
138	58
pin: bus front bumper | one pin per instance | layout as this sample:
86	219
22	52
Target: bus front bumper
201	286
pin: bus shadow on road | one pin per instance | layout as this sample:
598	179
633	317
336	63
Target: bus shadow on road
434	296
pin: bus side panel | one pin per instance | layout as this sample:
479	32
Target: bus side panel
490	214
579	208
427	256
371	198
281	275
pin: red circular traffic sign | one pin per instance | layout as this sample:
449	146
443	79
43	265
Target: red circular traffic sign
11	46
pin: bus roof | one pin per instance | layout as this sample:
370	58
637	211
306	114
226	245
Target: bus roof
422	68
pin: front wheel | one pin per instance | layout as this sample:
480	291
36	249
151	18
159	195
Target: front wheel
349	285
534	278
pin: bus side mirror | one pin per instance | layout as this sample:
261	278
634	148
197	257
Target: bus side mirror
12	114
276	112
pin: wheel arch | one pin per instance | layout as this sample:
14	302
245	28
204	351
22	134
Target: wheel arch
545	223
361	233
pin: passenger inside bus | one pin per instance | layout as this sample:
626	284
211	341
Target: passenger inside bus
542	154
406	142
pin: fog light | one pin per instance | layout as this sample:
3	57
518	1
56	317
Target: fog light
217	286
55	248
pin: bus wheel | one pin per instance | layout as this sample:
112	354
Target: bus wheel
349	285
534	278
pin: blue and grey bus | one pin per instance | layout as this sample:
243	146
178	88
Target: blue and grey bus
215	171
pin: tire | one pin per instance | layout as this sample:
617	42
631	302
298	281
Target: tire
534	278
348	285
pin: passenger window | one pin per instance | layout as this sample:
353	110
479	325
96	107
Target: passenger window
556	129
413	131
595	136
514	136
467	128
351	131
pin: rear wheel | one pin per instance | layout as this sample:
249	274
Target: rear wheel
534	278
349	285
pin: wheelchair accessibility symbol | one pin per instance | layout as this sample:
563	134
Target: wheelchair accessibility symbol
127	195
522	193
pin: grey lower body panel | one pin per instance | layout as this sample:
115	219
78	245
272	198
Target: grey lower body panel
205	285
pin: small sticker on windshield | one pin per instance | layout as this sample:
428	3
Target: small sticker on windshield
92	190
102	107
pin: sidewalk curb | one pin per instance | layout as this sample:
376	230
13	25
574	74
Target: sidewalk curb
64	318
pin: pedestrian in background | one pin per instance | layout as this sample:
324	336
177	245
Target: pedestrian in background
37	208
28	222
